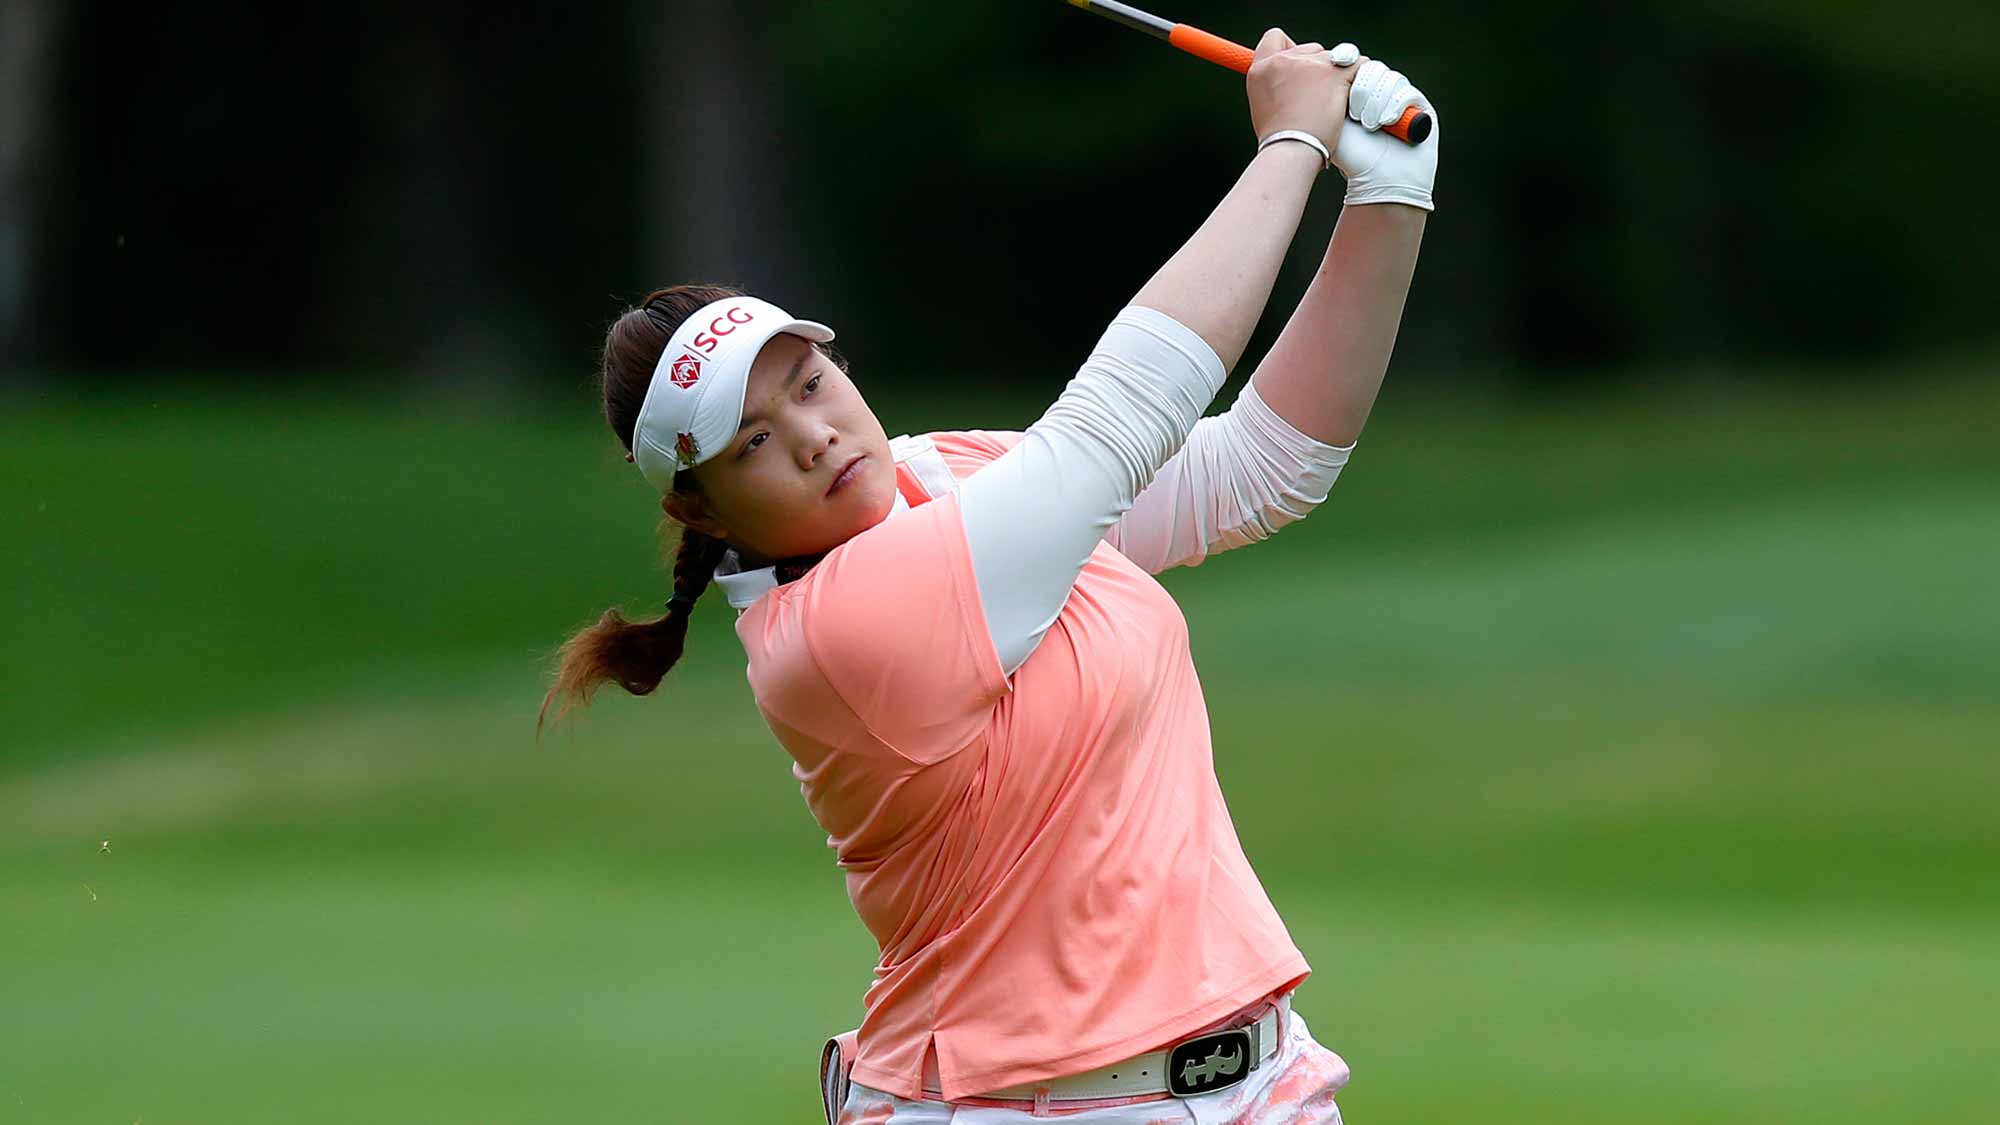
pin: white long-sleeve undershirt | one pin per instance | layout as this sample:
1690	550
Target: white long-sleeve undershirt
1125	456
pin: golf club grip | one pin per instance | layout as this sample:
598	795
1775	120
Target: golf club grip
1214	48
1411	128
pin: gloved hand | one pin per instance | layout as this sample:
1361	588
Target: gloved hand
1379	168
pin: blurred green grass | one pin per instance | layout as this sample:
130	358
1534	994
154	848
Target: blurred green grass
1626	759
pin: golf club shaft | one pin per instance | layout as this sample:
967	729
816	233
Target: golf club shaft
1411	128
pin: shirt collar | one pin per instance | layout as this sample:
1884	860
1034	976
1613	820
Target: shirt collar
744	587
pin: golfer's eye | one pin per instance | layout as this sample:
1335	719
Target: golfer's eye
756	440
812	384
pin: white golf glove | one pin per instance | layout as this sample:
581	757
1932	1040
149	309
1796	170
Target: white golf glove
1379	168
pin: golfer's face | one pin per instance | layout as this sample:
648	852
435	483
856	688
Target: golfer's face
790	484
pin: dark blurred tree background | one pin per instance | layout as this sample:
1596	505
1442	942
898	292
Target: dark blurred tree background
967	189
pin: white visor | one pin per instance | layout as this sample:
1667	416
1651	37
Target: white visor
695	401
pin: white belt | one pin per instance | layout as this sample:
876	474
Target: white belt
1199	1064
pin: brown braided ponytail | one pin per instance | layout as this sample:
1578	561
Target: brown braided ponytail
638	655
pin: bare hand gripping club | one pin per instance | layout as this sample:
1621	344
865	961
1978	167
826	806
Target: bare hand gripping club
1412	128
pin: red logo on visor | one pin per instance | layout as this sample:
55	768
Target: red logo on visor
686	371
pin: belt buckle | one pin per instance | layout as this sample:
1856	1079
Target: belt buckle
1208	1063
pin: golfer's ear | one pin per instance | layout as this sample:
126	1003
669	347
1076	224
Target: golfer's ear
693	511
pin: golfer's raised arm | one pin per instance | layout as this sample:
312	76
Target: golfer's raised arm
1218	283
1326	367
1271	459
1322	374
1033	517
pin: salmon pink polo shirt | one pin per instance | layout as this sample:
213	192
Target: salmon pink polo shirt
1047	864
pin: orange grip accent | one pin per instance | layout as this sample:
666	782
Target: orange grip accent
1214	48
1413	128
1400	128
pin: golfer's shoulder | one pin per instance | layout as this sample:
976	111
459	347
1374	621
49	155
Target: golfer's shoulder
798	635
883	640
858	606
965	451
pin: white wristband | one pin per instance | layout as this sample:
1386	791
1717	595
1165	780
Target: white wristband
1302	136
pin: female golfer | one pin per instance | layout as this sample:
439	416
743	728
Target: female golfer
989	700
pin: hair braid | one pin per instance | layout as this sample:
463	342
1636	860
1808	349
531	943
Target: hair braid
636	655
695	561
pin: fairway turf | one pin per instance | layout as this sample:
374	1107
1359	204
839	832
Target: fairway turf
1622	762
